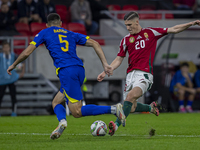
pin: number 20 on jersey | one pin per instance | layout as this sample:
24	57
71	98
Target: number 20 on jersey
139	44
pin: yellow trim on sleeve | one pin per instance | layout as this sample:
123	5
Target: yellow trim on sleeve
72	100
87	37
34	43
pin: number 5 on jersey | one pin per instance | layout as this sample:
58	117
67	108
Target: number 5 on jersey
63	41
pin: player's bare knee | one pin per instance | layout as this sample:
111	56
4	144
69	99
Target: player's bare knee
181	91
132	97
77	113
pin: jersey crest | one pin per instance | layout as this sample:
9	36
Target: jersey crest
131	39
146	35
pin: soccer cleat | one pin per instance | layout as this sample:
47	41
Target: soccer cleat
111	127
154	108
120	114
59	130
182	110
189	109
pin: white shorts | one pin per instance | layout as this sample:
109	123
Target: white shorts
135	79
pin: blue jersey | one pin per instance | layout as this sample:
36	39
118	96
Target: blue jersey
178	78
61	44
197	78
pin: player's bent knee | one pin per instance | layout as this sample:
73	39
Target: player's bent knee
76	113
132	97
180	91
75	109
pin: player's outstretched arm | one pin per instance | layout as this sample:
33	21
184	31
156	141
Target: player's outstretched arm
115	64
100	53
182	27
21	57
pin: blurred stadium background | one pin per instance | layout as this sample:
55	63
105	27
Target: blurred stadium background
37	88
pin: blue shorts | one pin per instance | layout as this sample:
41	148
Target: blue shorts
71	79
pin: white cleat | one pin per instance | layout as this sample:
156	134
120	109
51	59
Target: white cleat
120	114
59	130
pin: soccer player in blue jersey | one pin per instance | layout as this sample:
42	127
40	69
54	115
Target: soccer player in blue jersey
61	44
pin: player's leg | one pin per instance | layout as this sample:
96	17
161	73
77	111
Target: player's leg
74	95
180	92
2	92
130	101
189	102
146	108
12	90
60	112
69	78
78	110
137	83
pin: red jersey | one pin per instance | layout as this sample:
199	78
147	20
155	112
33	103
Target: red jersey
141	48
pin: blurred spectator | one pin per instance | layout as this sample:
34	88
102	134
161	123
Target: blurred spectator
181	84
14	4
28	12
197	9
96	8
197	80
81	13
11	3
5	2
6	59
184	4
7	27
45	7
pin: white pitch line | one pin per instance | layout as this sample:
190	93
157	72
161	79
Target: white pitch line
122	135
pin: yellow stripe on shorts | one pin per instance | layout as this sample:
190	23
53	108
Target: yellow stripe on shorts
72	100
57	69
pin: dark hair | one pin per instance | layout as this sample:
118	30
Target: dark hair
5	43
53	18
184	64
131	15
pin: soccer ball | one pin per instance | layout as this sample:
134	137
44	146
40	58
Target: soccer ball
98	128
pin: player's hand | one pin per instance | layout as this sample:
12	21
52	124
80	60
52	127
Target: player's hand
197	22
192	91
108	70
101	76
10	68
185	74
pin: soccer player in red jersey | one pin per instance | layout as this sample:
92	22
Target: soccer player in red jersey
140	43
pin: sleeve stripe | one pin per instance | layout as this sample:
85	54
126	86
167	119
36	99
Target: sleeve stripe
155	32
34	43
124	44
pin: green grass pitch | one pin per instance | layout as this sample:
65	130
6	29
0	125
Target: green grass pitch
173	132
